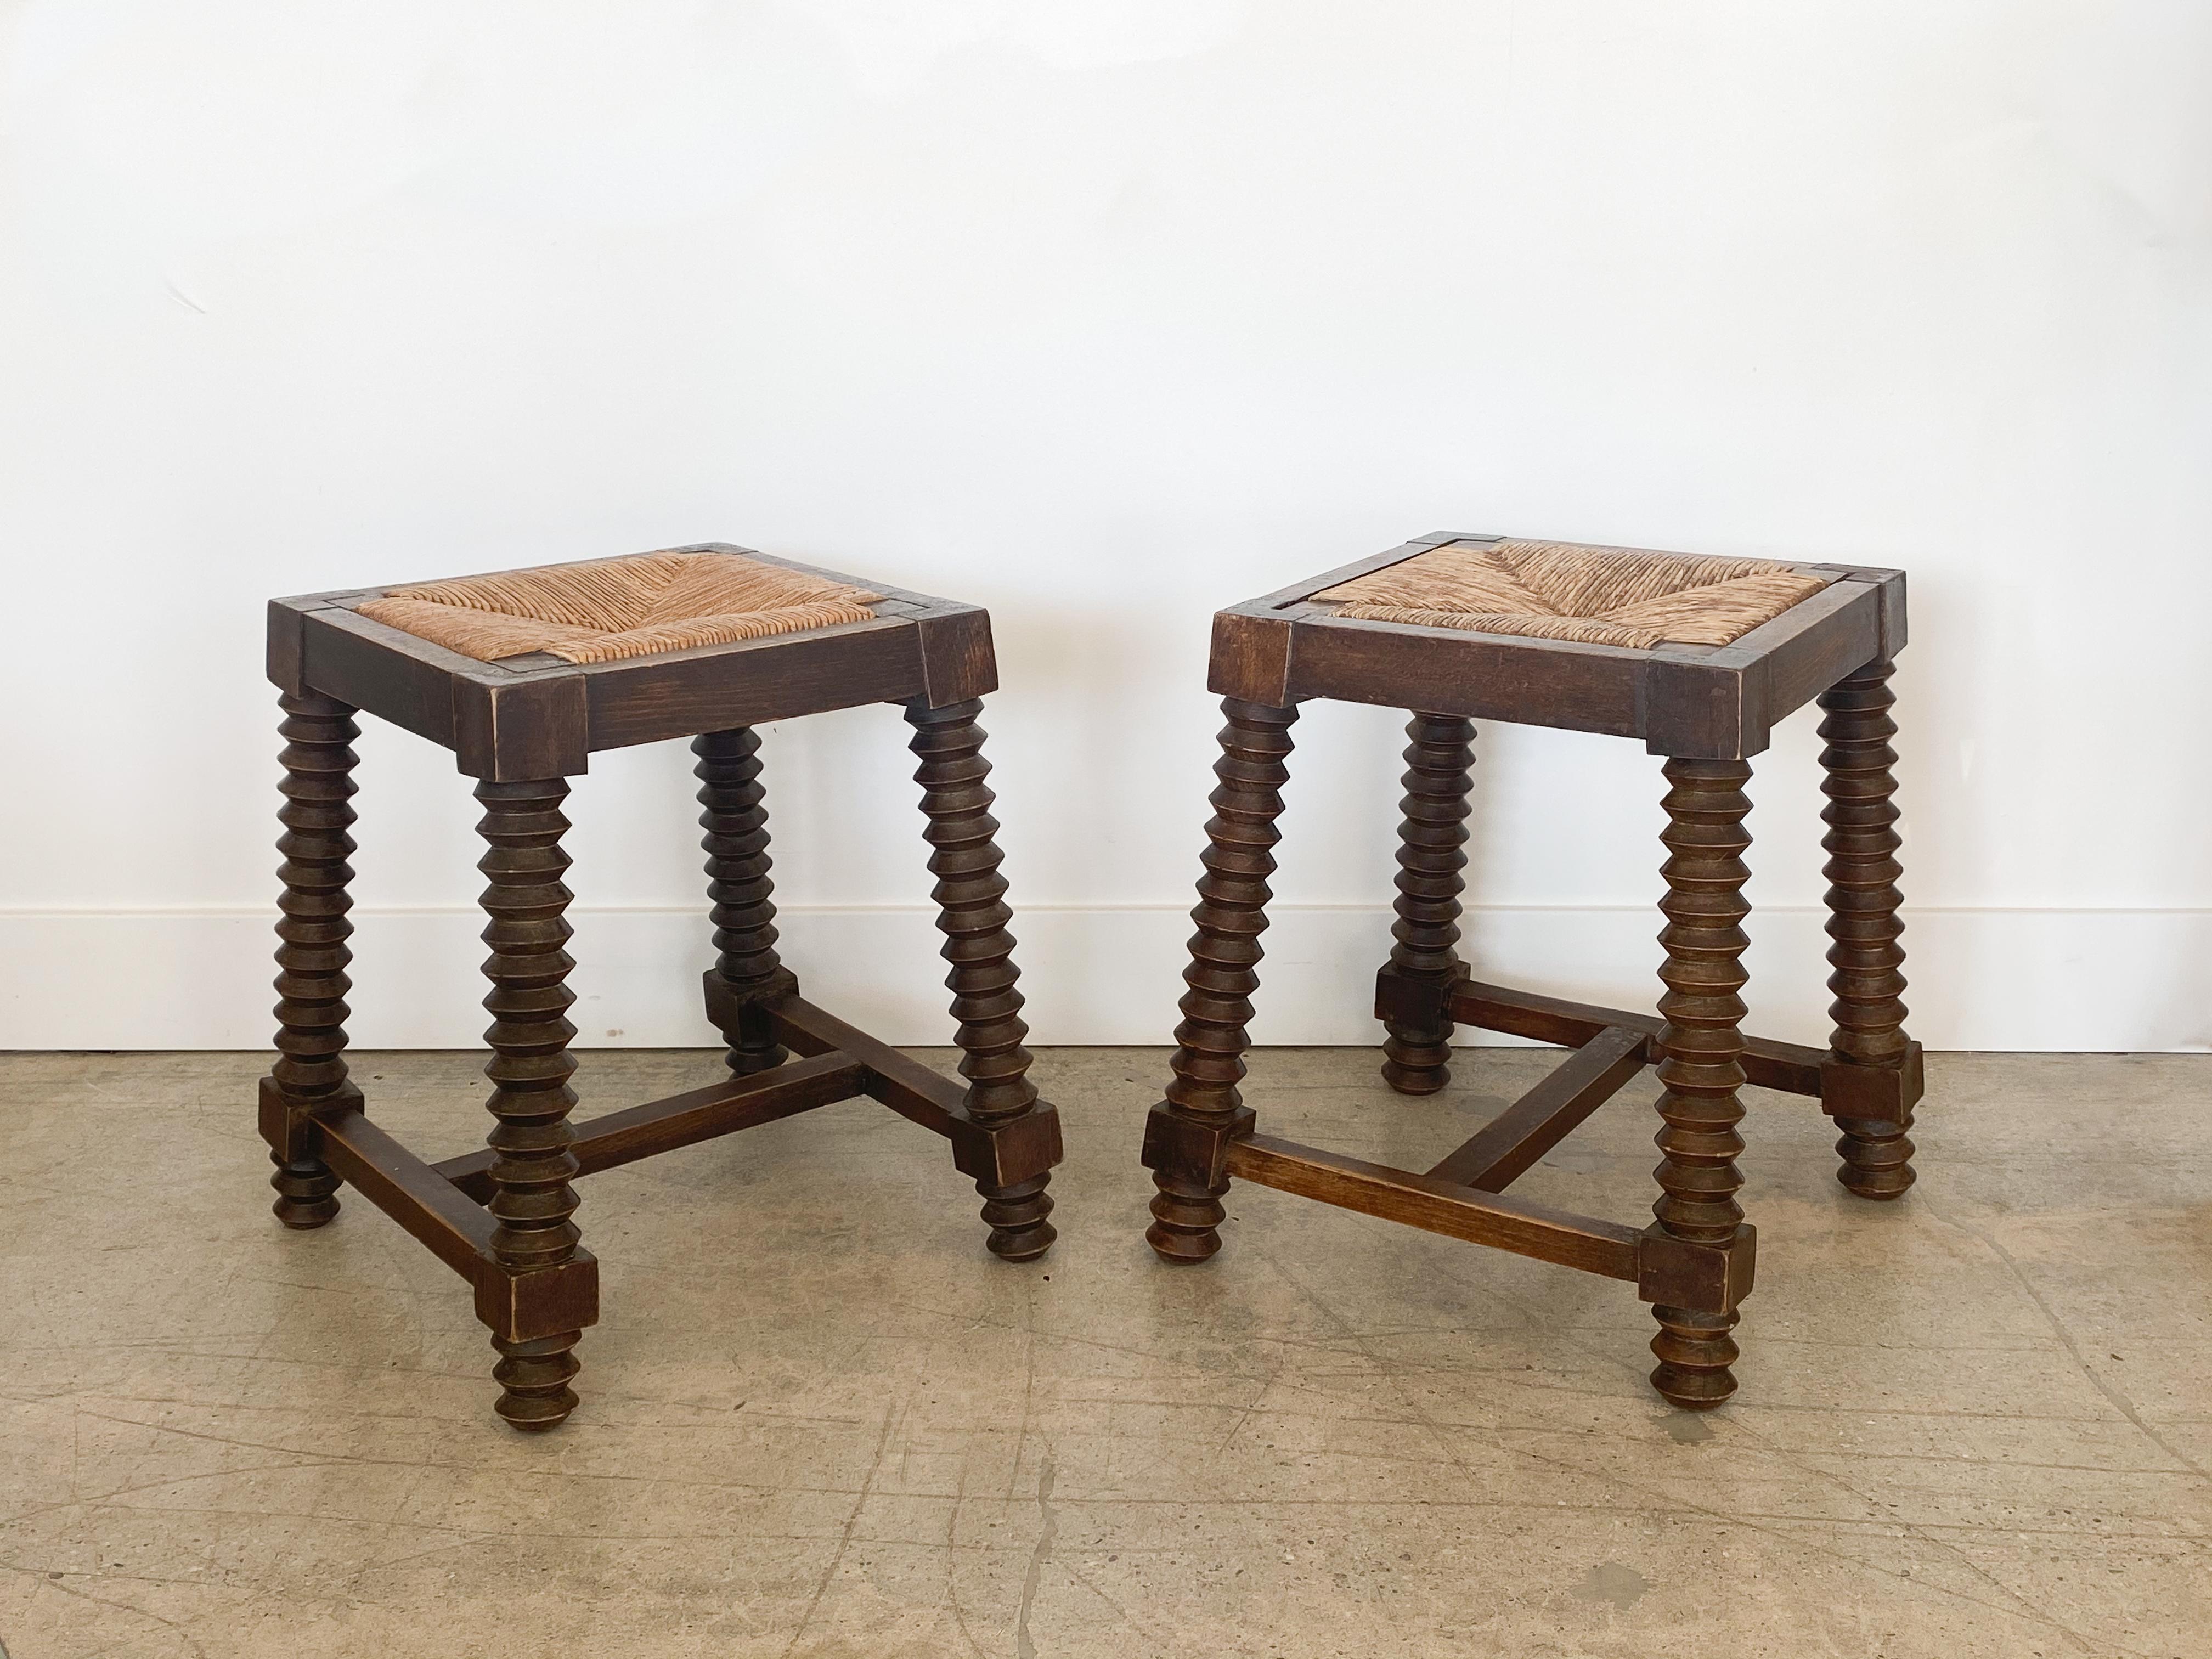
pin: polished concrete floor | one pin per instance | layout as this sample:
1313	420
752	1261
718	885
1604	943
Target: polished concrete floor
819	1419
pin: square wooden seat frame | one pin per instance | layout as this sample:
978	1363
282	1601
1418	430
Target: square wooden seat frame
1707	709
522	727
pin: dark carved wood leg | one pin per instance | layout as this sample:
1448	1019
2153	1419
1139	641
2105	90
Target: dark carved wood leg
1187	1137
747	973
1701	1049
1863	902
1439	756
530	1068
972	914
310	1074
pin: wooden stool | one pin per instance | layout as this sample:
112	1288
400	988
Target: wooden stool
522	675
1699	657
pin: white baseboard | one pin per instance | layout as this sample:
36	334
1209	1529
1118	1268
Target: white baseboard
2051	979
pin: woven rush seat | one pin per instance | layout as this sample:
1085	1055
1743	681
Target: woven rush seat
1698	658
1622	596
603	610
525	675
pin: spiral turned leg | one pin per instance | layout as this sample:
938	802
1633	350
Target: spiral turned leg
530	1068
310	1073
749	971
972	915
1432	839
1863	921
1701	1047
1183	1140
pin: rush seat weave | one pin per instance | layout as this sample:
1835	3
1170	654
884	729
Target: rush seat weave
602	610
1621	596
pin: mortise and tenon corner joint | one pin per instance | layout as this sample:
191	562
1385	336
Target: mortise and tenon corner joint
1699	658
523	674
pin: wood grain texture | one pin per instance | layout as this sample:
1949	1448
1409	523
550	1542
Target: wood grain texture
313	926
1859	778
1225	959
1432	855
663	1126
735	818
1700	1065
1439	1206
1790	1067
1507	1146
970	894
532	1164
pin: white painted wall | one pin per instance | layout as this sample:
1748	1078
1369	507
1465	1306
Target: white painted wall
1104	313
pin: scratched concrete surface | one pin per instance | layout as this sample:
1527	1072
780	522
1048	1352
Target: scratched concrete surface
819	1420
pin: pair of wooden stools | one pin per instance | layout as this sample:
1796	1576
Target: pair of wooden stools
523	674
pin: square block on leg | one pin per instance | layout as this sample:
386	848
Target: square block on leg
523	1305
1177	1143
1872	1094
998	1155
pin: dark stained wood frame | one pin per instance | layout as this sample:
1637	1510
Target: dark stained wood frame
538	717
517	725
1707	709
1702	703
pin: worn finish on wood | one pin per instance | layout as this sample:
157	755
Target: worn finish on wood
1005	1152
1701	1053
1790	1067
310	1076
1706	708
502	1217
534	717
1863	900
1431	854
746	964
972	915
1507	1147
1439	1206
685	1119
532	1165
1185	1155
439	1216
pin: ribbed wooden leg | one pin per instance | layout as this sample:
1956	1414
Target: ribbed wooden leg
530	1068
311	931
972	914
1701	1046
1431	842
736	823
1202	1108
1863	921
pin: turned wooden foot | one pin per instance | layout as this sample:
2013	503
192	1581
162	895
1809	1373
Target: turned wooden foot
1700	1068
1186	1217
306	1191
1203	1103
1432	855
1016	1215
533	1379
1876	1158
1694	1351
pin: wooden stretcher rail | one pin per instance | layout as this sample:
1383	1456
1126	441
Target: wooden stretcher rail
1507	1146
906	1086
1439	1206
457	1229
662	1126
1785	1065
